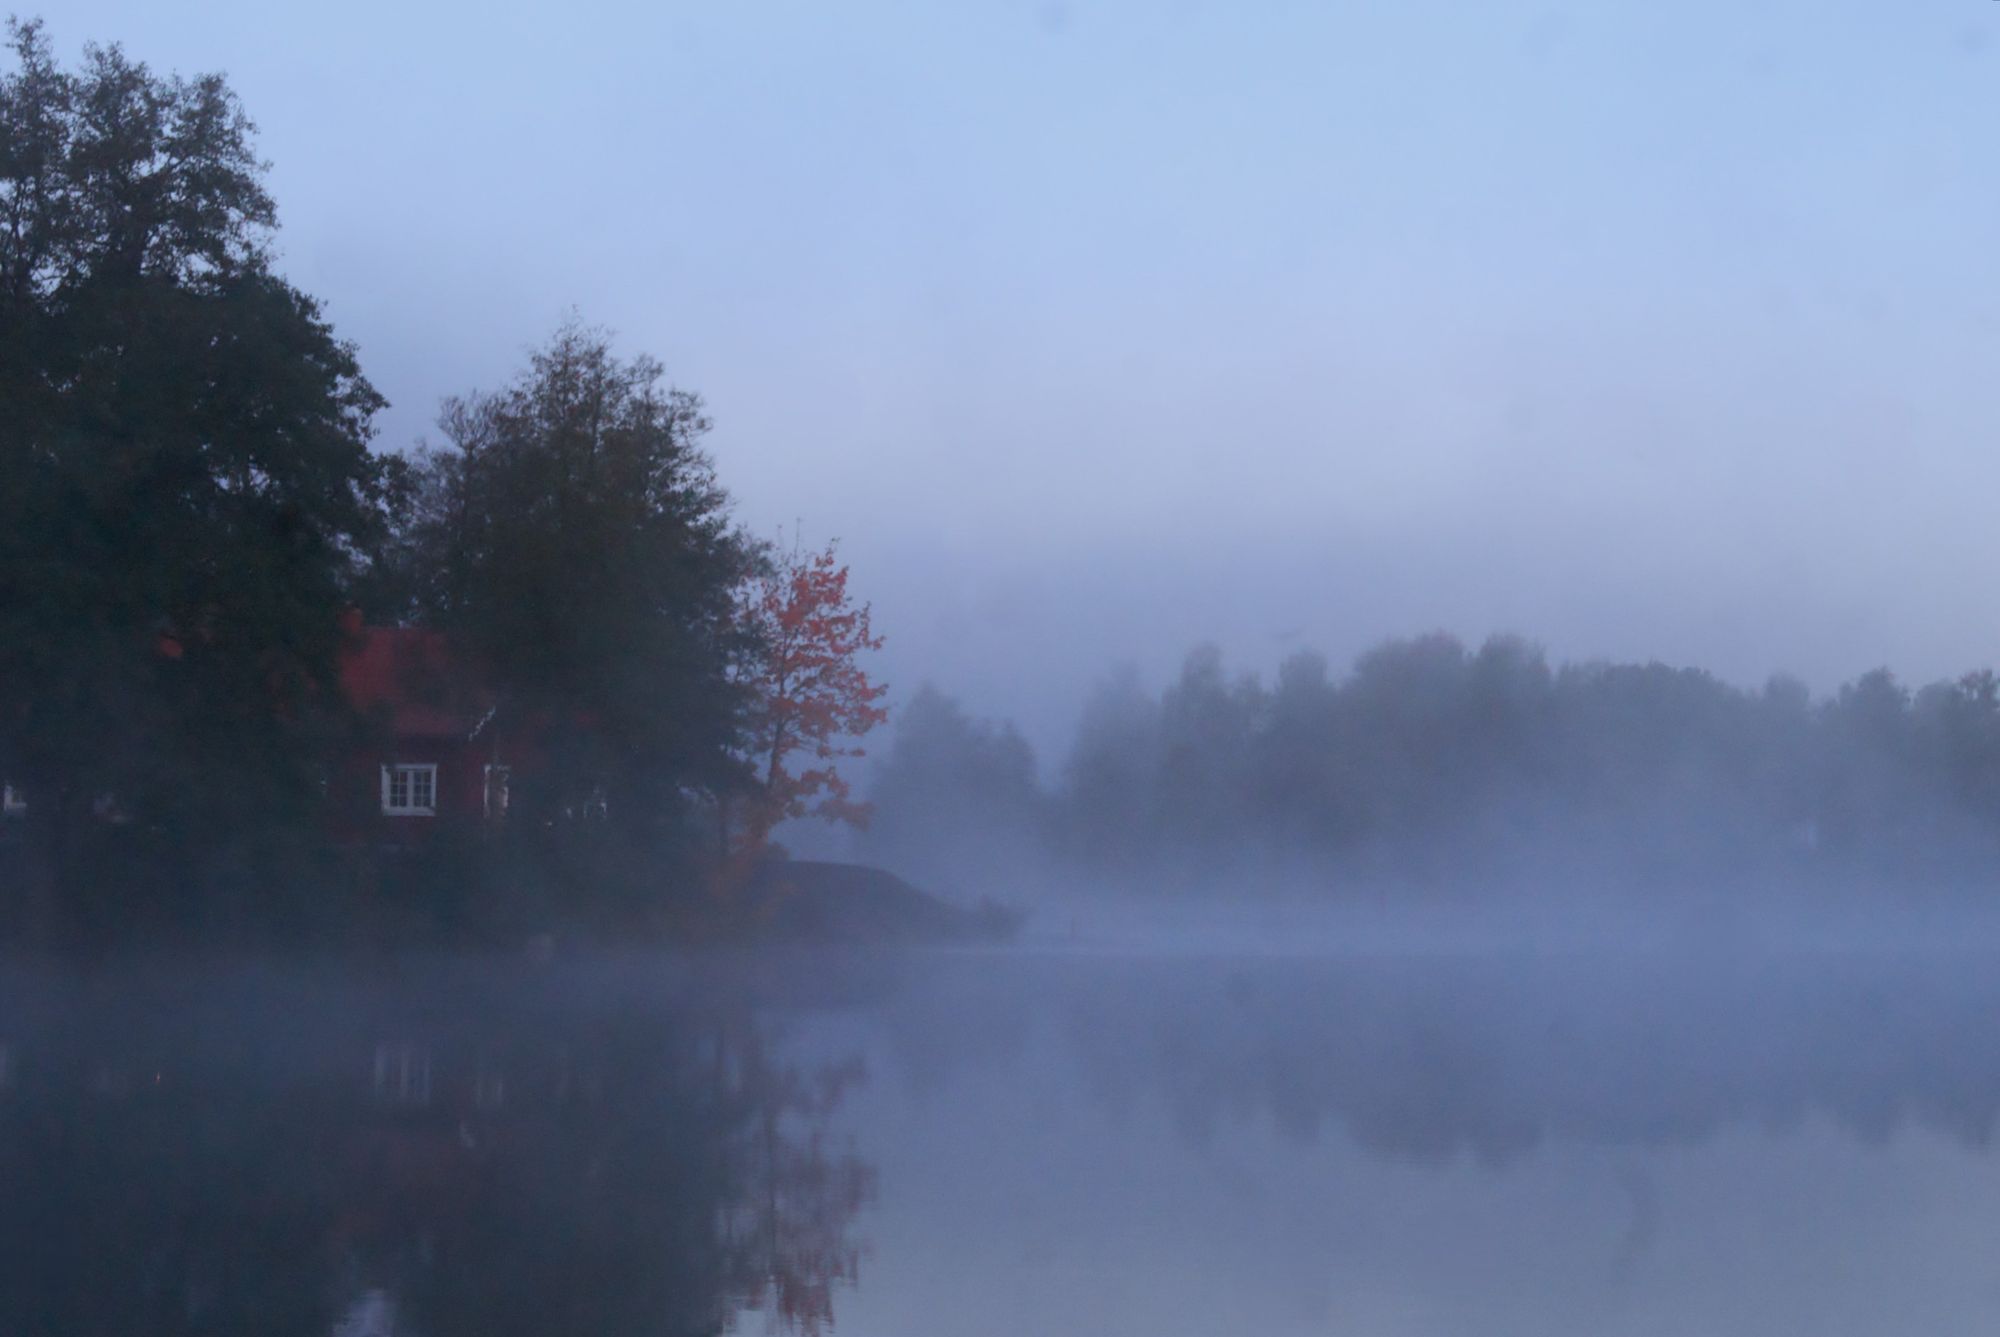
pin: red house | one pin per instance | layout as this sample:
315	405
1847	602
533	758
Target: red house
434	748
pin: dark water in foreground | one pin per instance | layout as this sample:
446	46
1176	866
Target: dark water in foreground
1006	1143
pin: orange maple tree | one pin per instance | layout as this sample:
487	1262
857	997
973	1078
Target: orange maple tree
812	698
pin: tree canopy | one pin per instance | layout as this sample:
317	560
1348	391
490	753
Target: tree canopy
186	489
571	531
810	697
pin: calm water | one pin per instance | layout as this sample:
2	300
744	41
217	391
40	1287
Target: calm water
1007	1143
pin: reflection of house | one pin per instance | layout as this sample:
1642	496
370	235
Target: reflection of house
437	744
14	808
482	1152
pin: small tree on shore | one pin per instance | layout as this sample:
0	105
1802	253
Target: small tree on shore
810	697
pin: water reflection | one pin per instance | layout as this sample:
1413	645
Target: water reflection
1489	1057
449	1151
1420	1144
1425	1144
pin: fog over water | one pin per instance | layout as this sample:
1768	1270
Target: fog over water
1630	1141
1623	1145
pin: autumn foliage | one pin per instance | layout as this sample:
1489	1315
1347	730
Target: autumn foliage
812	697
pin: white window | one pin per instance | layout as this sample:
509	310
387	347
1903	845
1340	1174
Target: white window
409	791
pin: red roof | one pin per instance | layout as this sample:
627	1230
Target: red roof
411	680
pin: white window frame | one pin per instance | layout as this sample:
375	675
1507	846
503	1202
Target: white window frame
409	771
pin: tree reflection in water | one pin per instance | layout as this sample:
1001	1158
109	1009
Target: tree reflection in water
461	1151
1426	1060
497	1152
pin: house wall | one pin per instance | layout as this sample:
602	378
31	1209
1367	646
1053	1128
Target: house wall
355	789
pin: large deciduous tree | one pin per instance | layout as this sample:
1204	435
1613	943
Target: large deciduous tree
572	532
185	481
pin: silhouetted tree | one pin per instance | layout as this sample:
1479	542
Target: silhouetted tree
1207	724
955	798
573	534
1110	783
1867	773
186	491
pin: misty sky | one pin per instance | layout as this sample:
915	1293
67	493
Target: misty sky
1095	330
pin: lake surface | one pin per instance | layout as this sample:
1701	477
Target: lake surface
1007	1142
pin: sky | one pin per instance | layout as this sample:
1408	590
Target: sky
1097	330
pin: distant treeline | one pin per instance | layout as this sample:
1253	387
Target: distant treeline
1431	759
